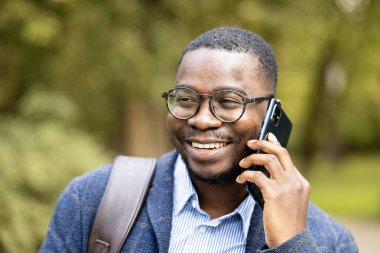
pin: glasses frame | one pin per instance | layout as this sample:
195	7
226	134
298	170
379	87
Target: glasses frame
246	100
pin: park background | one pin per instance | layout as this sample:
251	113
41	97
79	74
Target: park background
80	82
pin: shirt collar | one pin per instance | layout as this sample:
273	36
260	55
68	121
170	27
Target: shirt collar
183	187
245	210
184	191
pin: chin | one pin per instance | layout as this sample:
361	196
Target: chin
224	177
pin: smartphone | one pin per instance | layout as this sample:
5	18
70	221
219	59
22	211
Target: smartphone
276	122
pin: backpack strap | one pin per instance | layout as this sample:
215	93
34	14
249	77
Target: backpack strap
124	196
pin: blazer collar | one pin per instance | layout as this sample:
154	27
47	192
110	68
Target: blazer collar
256	237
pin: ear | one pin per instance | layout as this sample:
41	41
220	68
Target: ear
279	101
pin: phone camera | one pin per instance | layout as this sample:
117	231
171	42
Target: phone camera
276	115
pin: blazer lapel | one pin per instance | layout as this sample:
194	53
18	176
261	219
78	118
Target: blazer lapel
160	200
256	237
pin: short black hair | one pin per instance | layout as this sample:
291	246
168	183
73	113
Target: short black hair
235	39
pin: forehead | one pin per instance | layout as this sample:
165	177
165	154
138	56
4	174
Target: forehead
207	70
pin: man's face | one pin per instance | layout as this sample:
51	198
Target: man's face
206	71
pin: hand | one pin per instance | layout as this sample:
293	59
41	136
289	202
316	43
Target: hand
286	193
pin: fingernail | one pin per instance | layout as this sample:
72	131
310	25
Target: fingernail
241	163
252	141
238	180
272	137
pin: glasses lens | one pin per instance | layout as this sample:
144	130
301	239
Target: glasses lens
182	103
227	106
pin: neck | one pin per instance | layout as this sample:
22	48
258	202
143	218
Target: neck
219	200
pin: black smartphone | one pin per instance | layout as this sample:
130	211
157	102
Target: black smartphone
276	122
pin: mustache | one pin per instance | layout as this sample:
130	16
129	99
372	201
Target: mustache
214	134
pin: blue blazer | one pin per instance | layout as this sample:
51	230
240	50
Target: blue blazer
74	215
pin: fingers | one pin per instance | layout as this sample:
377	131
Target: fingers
269	161
255	177
272	146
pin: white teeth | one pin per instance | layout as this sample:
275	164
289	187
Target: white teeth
208	145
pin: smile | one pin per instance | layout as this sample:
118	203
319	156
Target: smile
208	145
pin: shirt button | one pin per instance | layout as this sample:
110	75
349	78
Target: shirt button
202	229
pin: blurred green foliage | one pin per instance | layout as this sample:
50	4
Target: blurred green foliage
40	151
80	80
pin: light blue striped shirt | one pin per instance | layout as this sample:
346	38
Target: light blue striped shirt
192	228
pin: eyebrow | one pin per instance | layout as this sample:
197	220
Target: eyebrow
238	90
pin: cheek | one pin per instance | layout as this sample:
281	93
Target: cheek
171	125
174	126
249	125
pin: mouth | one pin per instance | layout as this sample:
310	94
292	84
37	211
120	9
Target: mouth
207	150
214	145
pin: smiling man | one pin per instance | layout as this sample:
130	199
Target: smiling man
198	202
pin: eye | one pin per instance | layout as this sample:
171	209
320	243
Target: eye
229	102
185	101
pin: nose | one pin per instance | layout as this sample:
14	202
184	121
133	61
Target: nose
204	118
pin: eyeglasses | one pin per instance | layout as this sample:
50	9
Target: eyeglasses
226	105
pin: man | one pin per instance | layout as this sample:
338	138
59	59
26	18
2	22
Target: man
197	202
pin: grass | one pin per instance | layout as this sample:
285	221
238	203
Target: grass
349	188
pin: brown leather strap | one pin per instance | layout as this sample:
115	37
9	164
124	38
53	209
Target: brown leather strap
123	198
